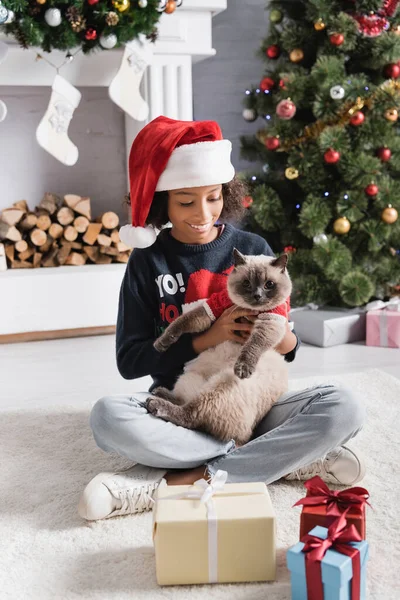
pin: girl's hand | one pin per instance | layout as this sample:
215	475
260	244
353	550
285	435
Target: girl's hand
224	329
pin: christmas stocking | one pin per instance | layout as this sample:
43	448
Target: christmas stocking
52	133
3	54
124	88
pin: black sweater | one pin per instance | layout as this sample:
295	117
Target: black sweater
159	282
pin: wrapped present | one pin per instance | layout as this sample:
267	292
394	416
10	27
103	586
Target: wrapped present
322	506
214	532
328	326
383	323
329	564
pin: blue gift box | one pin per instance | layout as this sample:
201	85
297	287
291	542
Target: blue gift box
336	568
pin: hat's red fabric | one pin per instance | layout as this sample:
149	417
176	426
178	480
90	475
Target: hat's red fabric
151	151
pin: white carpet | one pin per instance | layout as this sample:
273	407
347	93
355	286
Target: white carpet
47	552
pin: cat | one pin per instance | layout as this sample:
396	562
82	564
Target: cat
228	389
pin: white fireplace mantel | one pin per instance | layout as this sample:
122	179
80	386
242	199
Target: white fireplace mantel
185	37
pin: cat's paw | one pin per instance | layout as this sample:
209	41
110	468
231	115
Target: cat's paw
163	343
158	407
243	370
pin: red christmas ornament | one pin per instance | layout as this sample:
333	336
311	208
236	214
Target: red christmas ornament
392	70
331	156
371	189
273	51
247	201
267	84
91	34
371	25
384	154
357	119
272	143
92	2
336	39
282	84
286	109
289	249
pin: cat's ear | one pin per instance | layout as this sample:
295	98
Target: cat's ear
280	262
238	258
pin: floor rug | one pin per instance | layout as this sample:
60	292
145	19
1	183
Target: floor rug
48	456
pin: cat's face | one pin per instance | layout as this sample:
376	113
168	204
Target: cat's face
259	282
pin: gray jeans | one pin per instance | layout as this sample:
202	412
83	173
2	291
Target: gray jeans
300	428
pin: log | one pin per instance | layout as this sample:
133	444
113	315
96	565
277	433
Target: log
10	252
71	200
122	257
11	216
9	233
76	245
92	252
123	247
76	259
29	222
63	253
115	236
104	240
70	233
83	208
37	257
22	264
43	222
110	220
103	259
21	246
38	237
50	202
92	232
49	260
22	205
109	250
27	254
47	245
3	258
65	215
81	224
56	230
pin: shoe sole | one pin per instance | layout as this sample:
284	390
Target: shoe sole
361	465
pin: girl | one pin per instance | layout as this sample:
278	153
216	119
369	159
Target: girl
180	172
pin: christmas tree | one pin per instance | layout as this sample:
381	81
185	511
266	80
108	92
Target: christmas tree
327	189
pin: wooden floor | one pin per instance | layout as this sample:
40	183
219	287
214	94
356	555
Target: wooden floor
70	371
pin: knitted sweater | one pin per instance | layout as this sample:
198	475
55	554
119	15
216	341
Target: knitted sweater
160	283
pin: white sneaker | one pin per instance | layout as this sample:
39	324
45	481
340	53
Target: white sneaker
116	494
341	466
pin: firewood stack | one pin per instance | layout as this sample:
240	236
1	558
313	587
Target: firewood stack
60	232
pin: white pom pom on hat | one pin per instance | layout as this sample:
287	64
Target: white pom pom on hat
166	155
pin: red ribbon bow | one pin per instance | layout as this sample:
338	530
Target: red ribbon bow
336	501
338	538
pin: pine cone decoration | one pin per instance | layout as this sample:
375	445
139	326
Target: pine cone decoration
112	19
153	36
21	37
78	23
34	8
72	13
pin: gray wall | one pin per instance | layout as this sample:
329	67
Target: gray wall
97	128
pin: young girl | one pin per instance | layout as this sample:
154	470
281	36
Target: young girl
181	172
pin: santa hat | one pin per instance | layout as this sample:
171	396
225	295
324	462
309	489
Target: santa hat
167	155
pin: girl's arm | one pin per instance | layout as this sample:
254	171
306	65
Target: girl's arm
136	334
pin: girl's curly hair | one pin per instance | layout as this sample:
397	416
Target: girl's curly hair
233	193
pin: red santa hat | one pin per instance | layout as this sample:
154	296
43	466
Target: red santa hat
168	155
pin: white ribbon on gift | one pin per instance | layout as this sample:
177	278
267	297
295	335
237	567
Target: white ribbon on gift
392	304
204	491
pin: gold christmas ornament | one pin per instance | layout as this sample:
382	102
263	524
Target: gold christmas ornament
391	114
171	7
389	214
121	5
112	19
319	25
296	55
395	29
341	226
41	1
291	173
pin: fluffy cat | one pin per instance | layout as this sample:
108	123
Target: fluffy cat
228	389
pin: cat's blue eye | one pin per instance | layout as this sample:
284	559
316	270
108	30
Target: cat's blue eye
269	285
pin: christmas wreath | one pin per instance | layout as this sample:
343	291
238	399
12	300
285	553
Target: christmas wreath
86	24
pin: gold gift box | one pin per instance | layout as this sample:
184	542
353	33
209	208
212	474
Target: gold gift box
246	529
